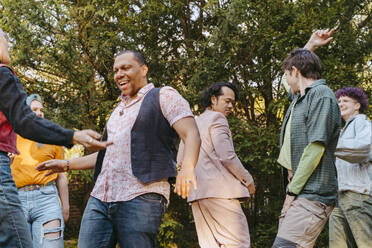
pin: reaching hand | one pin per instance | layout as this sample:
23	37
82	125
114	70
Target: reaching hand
185	177
319	38
54	165
90	139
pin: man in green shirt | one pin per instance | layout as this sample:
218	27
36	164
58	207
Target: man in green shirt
308	140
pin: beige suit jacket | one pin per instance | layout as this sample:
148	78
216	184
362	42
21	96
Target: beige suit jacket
219	172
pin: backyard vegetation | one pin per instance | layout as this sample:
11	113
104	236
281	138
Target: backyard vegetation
64	51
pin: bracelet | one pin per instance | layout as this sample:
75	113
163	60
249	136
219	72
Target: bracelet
68	165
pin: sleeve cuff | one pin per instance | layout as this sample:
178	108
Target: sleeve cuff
288	192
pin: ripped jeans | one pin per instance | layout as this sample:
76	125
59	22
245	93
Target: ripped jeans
44	215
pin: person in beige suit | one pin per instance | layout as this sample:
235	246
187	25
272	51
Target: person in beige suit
221	178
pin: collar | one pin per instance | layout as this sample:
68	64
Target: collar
358	116
315	84
209	110
141	93
308	88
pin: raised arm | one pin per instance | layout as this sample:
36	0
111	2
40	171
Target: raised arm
319	38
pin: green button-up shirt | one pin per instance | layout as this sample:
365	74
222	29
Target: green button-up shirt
316	118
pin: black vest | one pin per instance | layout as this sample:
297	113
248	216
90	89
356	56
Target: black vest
153	143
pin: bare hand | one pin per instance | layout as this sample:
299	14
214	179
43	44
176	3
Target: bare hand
287	203
185	177
65	213
290	175
319	38
251	189
90	139
54	165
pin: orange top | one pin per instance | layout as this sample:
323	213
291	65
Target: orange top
23	166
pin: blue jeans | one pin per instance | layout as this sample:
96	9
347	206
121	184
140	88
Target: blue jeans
133	223
41	206
14	231
350	225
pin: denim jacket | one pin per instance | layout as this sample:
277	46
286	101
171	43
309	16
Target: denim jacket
354	156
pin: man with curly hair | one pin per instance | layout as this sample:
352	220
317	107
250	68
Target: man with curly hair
350	224
219	218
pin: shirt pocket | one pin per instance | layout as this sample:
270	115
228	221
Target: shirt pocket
318	217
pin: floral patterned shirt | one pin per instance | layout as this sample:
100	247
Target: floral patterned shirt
116	181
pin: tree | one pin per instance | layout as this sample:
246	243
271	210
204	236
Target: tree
64	50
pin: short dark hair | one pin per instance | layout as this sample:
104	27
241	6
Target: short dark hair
138	56
357	94
215	90
307	62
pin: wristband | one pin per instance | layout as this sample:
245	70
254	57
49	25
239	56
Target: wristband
68	165
290	193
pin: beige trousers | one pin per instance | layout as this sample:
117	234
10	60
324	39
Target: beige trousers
220	223
303	222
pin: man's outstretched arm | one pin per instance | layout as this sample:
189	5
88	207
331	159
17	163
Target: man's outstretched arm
319	38
25	123
60	165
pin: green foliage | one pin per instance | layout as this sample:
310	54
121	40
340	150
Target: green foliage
71	244
80	186
64	51
178	228
322	240
264	235
169	231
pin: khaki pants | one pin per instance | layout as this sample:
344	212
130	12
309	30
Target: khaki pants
350	224
302	224
220	223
